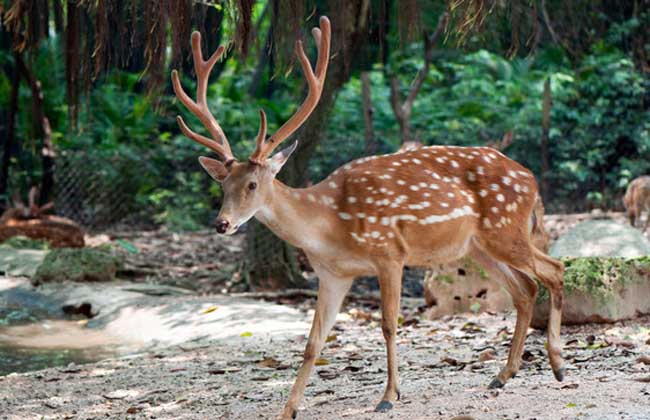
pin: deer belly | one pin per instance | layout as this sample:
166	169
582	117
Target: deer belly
440	245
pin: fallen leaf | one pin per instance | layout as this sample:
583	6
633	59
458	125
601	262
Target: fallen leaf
116	395
643	359
321	362
328	373
410	321
615	341
471	327
133	410
450	361
246	334
527	356
324	392
487	354
269	362
645	380
331	338
569	386
208	310
570	405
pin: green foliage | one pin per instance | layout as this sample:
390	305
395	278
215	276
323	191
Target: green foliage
599	137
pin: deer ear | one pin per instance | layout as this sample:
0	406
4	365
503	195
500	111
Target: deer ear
216	169
279	159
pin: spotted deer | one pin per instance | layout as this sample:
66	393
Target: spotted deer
637	200
377	214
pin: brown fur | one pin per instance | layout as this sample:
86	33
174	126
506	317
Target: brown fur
637	200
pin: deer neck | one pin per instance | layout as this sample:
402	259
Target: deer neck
300	216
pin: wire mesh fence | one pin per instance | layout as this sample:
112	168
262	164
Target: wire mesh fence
93	193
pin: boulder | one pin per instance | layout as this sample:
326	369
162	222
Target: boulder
462	286
600	289
601	238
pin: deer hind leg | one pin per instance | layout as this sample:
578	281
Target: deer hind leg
390	284
523	291
331	292
550	272
647	217
517	251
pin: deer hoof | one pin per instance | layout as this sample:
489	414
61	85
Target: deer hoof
384	406
559	374
496	384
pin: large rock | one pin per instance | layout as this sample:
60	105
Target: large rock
601	238
78	265
20	262
462	286
600	289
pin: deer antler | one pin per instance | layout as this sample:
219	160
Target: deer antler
219	142
315	80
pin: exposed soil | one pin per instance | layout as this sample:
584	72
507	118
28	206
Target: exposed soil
445	367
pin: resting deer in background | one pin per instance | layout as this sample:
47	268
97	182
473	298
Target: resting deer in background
637	200
377	214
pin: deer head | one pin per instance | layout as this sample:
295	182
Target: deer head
248	185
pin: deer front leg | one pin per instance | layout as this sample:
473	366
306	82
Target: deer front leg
331	291
390	284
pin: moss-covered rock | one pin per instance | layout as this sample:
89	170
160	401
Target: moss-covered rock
600	289
77	264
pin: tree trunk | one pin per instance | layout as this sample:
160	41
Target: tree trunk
366	101
546	126
43	130
272	262
11	125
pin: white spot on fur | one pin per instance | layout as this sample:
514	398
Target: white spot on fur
501	198
357	237
345	216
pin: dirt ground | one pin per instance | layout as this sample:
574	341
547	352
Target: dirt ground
445	367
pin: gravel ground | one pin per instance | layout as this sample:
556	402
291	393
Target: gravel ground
445	367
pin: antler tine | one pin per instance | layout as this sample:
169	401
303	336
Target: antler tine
219	142
315	81
261	134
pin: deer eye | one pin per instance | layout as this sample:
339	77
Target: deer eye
252	186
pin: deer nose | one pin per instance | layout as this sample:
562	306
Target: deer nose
222	225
